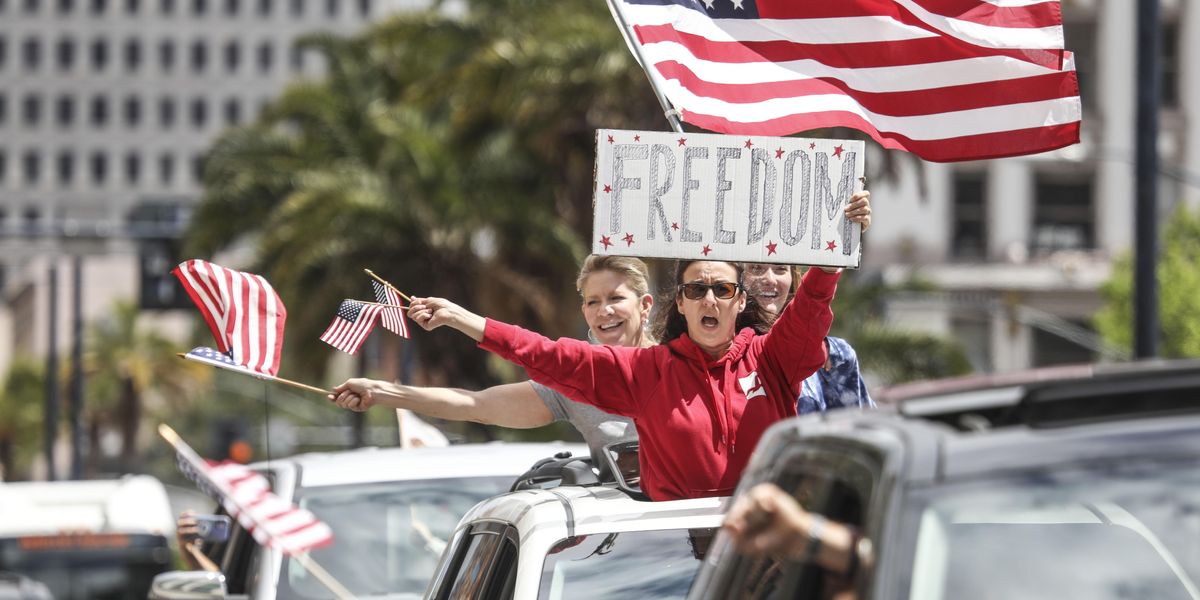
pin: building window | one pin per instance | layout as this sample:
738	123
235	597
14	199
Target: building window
31	7
31	110
199	7
99	7
233	112
1051	349
364	8
99	113
331	8
133	7
133	111
1080	38
198	169
166	112
99	165
133	55
233	56
265	8
99	54
166	7
64	111
133	168
199	56
297	8
232	7
199	112
166	169
31	52
65	54
31	165
297	59
969	219
166	55
31	217
1169	65
66	7
266	56
66	168
1063	218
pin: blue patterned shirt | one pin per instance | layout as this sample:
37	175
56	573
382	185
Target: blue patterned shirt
837	387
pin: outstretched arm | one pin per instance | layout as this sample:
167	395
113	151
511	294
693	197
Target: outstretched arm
431	313
514	405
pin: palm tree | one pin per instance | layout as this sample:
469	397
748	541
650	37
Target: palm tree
21	412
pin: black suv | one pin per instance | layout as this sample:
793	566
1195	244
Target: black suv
1081	487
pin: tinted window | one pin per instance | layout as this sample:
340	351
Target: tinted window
85	566
1125	531
650	564
388	536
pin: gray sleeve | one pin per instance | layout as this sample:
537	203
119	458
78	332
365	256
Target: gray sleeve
554	401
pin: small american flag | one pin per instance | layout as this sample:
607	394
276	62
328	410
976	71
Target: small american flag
391	318
242	310
351	325
246	495
945	80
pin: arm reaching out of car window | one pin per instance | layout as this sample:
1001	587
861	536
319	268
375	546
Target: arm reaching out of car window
515	405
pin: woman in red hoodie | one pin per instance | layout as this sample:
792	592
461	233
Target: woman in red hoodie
700	399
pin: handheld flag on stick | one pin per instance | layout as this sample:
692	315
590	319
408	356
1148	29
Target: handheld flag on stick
242	310
947	81
351	325
392	319
221	360
246	495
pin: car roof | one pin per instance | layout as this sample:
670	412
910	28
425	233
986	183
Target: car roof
372	465
131	504
594	509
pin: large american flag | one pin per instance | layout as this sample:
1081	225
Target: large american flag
392	319
947	80
351	325
247	497
242	310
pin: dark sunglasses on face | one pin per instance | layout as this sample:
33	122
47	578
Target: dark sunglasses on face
723	290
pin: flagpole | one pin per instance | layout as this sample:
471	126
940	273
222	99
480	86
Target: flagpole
669	111
319	572
385	282
295	384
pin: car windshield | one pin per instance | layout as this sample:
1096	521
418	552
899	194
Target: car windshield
387	536
635	564
1127	531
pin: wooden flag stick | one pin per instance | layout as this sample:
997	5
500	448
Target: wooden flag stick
264	377
385	282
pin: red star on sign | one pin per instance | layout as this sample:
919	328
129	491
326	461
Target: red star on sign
637	138
604	239
706	250
837	151
607	189
628	239
675	226
830	245
771	248
682	141
812	145
779	153
610	139
749	143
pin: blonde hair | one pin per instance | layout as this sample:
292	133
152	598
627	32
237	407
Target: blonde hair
635	272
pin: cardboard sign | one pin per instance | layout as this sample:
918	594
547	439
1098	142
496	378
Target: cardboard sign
723	197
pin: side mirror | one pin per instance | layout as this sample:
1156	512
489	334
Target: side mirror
188	585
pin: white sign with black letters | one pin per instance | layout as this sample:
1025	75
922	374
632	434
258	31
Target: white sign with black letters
723	197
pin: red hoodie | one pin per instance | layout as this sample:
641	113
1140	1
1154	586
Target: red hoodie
698	419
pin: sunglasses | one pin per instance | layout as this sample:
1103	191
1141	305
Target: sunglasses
723	291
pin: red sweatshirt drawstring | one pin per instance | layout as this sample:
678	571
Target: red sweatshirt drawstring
729	392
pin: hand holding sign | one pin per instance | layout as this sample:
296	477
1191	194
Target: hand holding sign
753	199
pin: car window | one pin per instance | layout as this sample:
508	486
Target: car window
478	554
1125	531
387	536
634	564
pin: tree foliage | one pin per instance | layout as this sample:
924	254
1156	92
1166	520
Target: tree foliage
1178	276
22	407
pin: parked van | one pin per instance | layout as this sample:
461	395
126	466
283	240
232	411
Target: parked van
87	539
